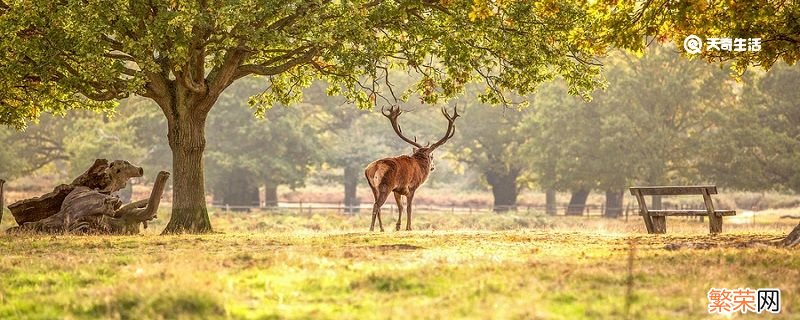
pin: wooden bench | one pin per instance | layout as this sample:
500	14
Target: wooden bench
655	220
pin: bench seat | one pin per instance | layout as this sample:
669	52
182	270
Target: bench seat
656	220
689	213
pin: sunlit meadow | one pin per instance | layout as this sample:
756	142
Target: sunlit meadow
264	265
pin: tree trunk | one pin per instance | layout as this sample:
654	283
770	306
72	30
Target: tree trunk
187	140
577	202
550	202
504	189
237	190
351	200
656	203
270	194
614	203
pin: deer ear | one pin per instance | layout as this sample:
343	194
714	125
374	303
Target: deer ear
414	150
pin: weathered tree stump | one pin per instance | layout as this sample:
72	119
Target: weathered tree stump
793	239
126	219
104	176
87	205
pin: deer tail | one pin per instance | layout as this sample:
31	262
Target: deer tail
374	174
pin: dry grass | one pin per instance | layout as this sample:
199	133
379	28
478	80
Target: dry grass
526	266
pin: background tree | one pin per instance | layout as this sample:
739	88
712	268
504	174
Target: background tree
349	139
670	105
639	131
150	128
32	149
353	141
93	138
183	55
245	153
563	136
753	147
490	145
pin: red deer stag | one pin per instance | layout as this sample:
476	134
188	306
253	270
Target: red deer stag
404	174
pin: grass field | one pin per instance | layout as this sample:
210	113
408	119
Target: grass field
525	266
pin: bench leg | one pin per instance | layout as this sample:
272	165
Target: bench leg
714	224
659	224
648	223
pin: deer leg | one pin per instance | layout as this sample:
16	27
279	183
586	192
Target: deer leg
399	199
374	196
409	198
380	223
376	209
374	214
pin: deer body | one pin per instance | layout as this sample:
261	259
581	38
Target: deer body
402	175
399	174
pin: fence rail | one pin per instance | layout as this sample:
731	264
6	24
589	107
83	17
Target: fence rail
588	210
339	207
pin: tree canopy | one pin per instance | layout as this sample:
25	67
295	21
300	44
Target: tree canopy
774	22
81	54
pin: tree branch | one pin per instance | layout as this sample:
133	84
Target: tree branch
268	70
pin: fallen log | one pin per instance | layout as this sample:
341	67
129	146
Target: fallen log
90	211
82	210
102	176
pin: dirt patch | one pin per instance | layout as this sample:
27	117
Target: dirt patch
399	247
712	245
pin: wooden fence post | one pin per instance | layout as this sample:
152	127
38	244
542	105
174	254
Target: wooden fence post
627	211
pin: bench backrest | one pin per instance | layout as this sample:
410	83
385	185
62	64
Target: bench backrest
673	190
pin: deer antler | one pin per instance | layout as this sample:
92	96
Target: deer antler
394	112
451	127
